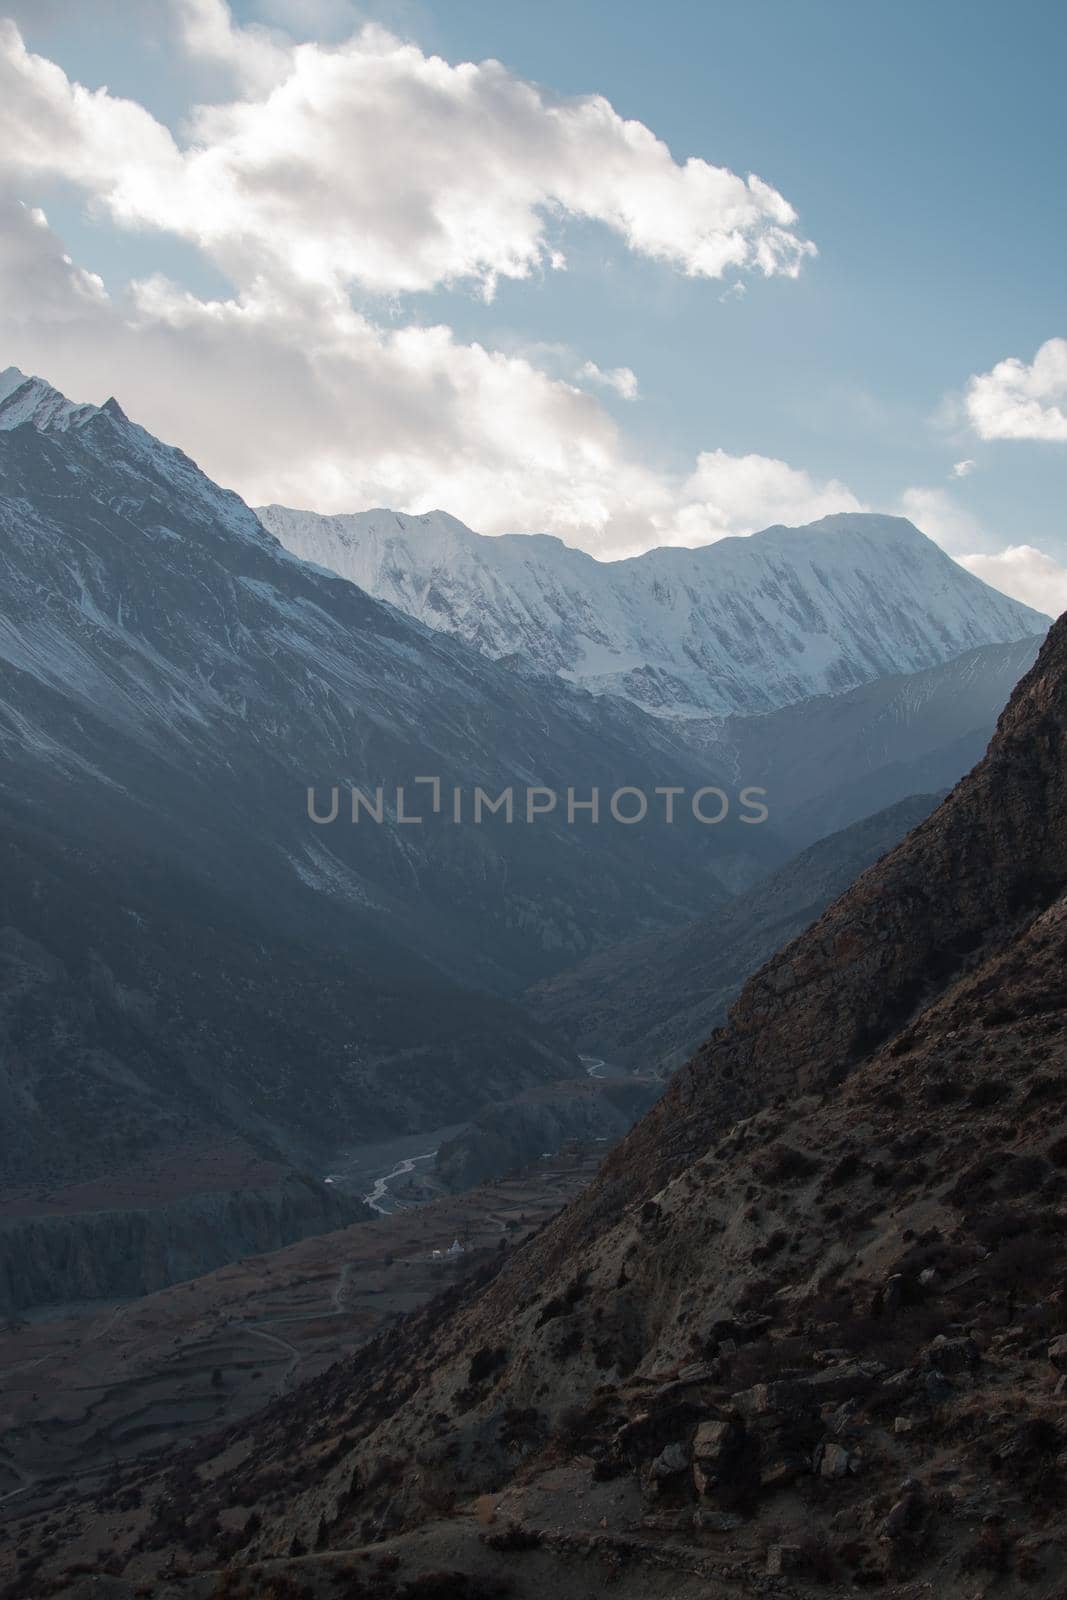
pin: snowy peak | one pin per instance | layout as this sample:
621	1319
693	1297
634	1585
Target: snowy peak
32	400
743	625
107	429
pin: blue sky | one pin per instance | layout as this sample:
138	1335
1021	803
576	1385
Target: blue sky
919	145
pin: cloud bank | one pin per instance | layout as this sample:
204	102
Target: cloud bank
369	168
373	164
1027	574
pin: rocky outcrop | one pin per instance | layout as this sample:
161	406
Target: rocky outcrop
97	1255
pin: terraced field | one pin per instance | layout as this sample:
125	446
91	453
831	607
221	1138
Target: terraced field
84	1392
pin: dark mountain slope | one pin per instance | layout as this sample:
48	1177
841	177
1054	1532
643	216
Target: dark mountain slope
832	759
650	1003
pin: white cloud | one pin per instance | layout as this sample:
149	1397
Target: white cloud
372	164
257	57
941	519
1027	574
740	494
621	379
308	402
962	469
1016	401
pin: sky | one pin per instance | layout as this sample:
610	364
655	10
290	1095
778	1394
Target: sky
635	275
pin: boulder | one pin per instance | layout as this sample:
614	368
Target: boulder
716	1444
782	1559
672	1459
893	1294
1057	1353
844	1380
937	1389
903	1515
951	1355
787	1396
833	1460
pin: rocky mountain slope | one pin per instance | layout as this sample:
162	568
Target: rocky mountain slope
740	626
804	1329
651	1002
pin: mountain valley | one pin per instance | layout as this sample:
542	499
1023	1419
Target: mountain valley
773	1336
805	1326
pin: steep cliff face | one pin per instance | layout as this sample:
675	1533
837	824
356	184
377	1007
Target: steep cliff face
119	1254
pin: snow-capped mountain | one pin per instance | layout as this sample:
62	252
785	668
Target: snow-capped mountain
181	948
743	625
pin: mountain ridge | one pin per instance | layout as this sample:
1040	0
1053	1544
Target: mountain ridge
742	625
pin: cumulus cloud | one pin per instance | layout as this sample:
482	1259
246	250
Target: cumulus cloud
621	379
309	402
372	164
1026	573
941	518
740	494
1016	401
962	469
